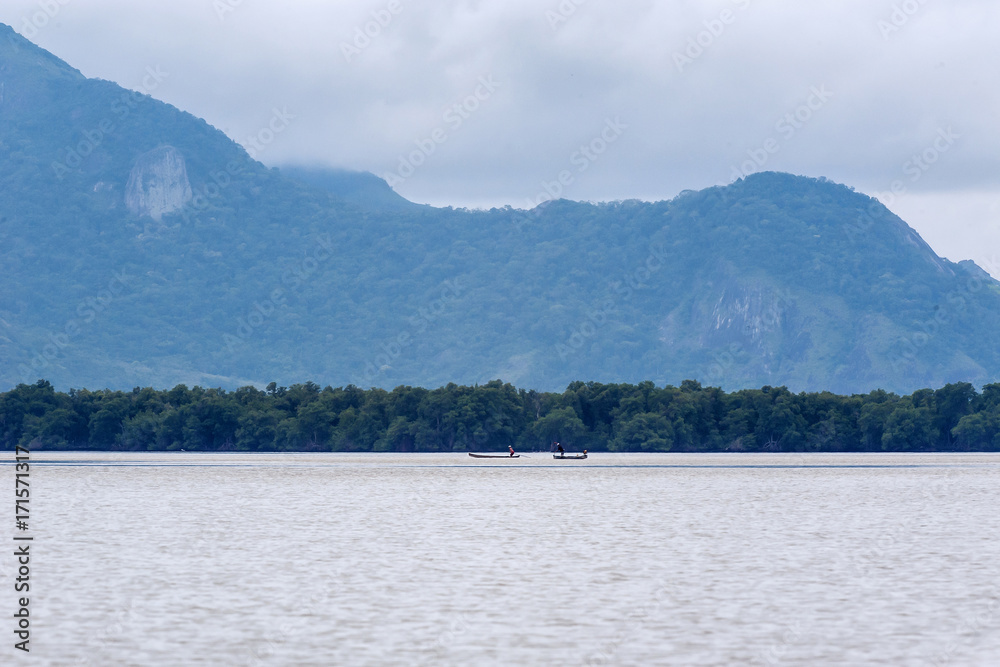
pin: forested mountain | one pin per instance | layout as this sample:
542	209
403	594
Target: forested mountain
140	246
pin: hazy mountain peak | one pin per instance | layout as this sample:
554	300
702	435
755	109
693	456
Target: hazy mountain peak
16	51
358	187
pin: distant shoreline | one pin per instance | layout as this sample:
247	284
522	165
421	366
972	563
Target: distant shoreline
494	416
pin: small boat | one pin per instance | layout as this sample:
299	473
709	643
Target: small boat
570	456
494	456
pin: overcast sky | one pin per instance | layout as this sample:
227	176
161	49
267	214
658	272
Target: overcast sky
484	102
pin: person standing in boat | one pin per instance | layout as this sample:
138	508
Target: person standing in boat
562	452
511	448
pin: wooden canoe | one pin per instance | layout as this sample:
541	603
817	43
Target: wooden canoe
564	456
494	456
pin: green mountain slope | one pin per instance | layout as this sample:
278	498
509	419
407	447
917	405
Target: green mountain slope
141	246
357	187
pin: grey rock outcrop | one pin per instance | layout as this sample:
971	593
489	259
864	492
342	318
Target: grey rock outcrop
158	183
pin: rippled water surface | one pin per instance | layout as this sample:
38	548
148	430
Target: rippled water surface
339	559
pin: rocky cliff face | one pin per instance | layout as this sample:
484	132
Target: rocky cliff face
158	183
747	312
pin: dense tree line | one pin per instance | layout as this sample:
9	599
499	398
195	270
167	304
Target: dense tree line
591	415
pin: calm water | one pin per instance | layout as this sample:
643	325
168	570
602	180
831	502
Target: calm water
428	559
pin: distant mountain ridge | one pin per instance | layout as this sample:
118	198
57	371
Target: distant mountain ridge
141	246
356	187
